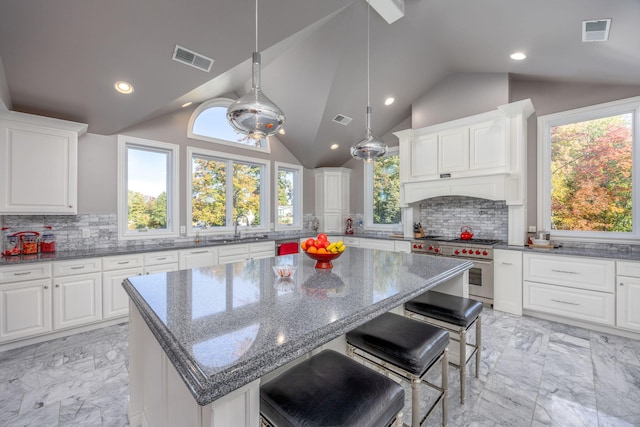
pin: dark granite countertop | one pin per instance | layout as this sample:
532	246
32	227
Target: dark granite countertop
184	244
596	250
224	326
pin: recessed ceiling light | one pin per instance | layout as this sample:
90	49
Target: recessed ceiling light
390	100
186	104
334	146
518	56
281	131
123	87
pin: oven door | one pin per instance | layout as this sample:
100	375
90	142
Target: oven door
481	281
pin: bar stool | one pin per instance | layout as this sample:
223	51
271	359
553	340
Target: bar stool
409	349
457	315
330	389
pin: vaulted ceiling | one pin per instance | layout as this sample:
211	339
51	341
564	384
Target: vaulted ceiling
61	58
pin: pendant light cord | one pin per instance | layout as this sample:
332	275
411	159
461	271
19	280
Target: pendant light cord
368	53
256	25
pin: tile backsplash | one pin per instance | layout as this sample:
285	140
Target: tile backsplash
444	216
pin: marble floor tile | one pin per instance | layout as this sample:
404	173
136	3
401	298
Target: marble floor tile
533	372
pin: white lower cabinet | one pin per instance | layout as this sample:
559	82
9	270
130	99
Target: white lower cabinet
25	309
115	301
160	262
628	295
578	288
507	281
195	258
77	300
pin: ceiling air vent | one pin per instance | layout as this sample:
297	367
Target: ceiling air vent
343	120
596	30
193	59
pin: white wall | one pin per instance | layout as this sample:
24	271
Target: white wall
460	95
5	100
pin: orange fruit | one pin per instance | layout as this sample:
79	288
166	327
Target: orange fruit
322	251
312	250
303	245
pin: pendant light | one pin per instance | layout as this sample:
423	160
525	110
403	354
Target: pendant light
254	114
370	147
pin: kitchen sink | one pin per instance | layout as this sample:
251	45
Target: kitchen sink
240	239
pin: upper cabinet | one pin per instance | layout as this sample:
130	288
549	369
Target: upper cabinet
39	157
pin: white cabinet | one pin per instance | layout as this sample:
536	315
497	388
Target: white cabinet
115	301
39	158
463	148
195	258
260	250
574	287
25	309
332	197
628	295
402	246
160	262
381	244
453	150
507	281
77	293
246	251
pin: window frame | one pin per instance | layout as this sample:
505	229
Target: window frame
545	123
221	102
265	178
173	195
297	195
368	196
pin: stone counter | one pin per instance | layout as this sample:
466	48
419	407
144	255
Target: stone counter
224	326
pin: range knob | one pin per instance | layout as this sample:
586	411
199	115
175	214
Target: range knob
477	251
464	251
415	246
437	250
430	248
485	253
456	252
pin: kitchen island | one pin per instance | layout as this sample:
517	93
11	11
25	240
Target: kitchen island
200	340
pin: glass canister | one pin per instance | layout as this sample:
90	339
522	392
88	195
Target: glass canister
29	244
10	243
48	243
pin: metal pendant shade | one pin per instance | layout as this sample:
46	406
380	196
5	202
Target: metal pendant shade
370	147
254	114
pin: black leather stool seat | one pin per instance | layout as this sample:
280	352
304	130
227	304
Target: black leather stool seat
330	389
447	308
405	343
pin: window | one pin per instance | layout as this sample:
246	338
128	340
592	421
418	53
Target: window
225	188
147	189
209	123
586	165
382	192
288	196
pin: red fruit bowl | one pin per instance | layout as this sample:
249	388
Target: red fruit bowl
323	260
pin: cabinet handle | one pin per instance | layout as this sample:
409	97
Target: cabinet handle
70	206
46	287
565	302
23	273
123	262
565	271
621	284
57	285
161	259
78	268
507	263
198	252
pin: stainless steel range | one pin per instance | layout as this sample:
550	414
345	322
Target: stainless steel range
480	251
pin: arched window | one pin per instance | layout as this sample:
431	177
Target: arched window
209	123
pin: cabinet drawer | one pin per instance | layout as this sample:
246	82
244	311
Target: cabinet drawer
79	266
122	261
589	306
351	241
158	258
385	245
20	273
576	272
233	250
259	247
626	268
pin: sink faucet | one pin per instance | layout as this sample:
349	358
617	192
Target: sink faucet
236	233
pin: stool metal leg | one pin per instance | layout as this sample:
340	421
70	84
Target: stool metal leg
415	402
463	362
478	343
445	386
